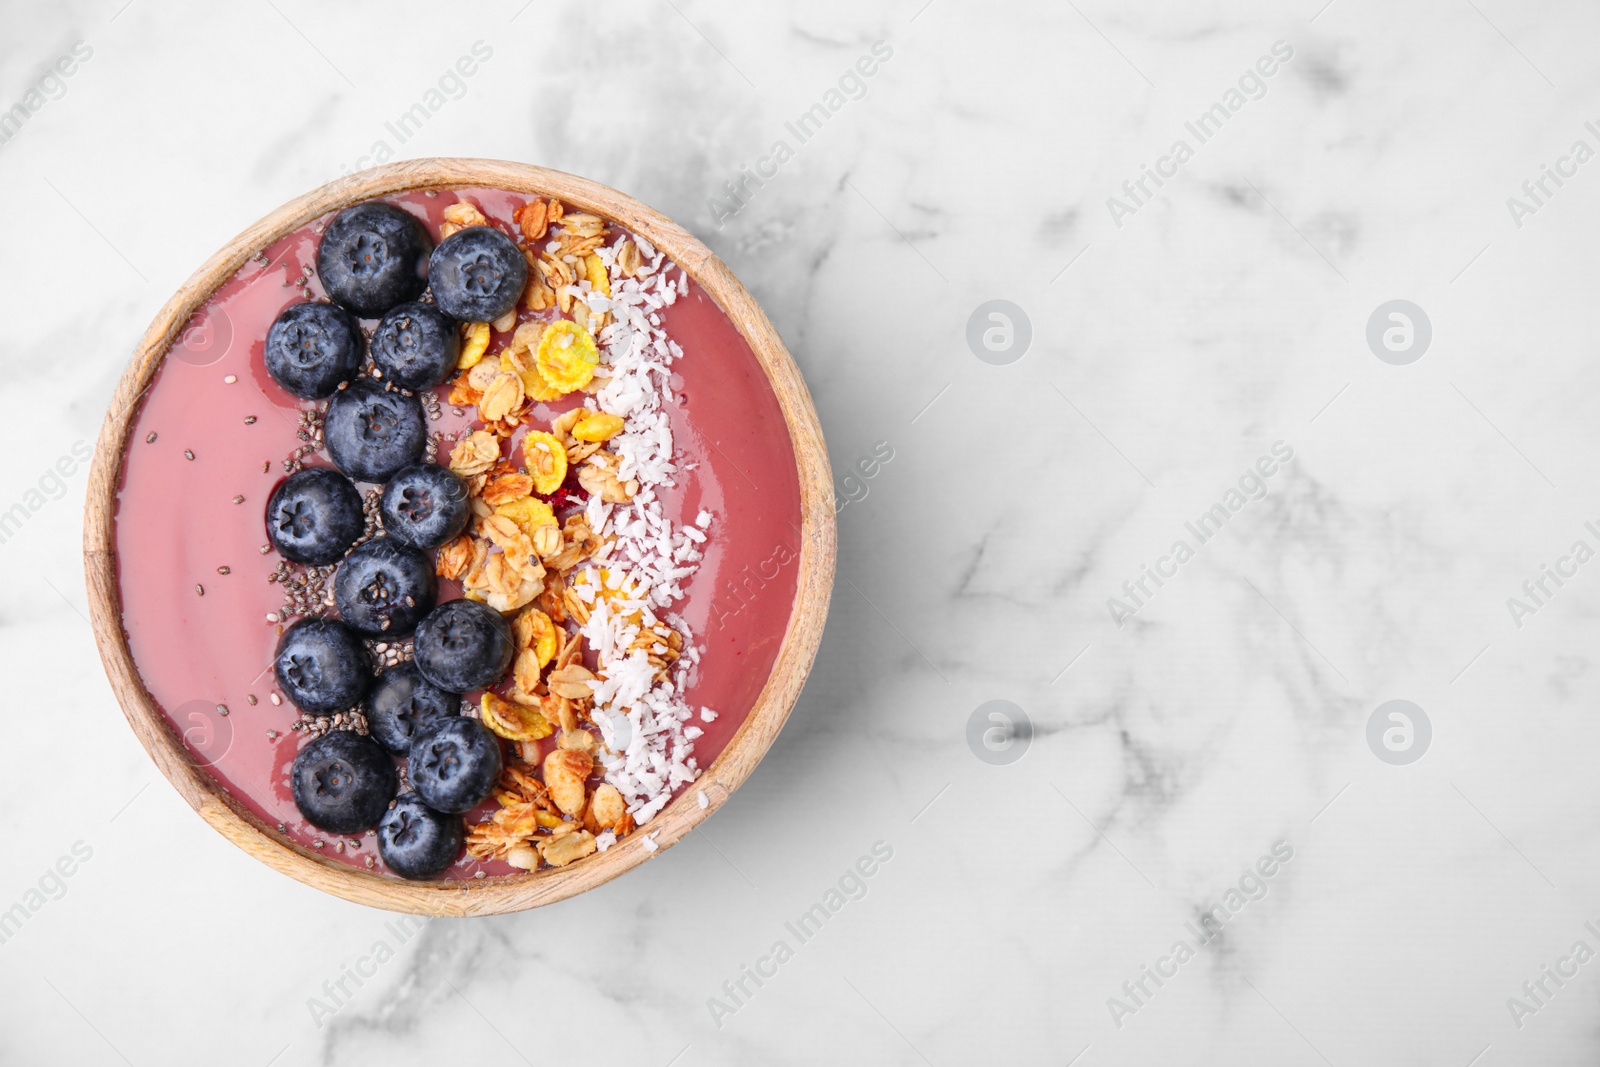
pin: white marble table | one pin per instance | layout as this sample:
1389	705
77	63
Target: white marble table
1178	336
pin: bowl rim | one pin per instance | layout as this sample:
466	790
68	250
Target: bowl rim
505	893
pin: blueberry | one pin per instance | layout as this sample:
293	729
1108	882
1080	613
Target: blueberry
343	782
477	274
416	841
416	346
424	506
384	587
314	516
462	646
454	764
322	666
313	347
372	257
401	702
371	433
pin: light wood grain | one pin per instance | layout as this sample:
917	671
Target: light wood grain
490	895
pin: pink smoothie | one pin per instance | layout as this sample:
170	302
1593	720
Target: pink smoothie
177	524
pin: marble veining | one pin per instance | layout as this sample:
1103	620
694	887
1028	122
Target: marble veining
1438	910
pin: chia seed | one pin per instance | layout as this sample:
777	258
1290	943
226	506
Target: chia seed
150	439
187	454
392	653
318	725
249	420
309	431
199	590
306	590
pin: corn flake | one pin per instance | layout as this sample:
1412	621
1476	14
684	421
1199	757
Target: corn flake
529	513
519	360
597	426
514	722
567	356
474	345
546	459
596	269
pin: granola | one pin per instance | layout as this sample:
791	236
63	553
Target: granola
566	536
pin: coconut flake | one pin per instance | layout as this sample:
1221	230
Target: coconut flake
649	749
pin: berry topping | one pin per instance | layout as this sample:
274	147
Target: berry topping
384	587
477	274
314	516
463	645
343	782
424	506
417	841
401	702
313	347
454	764
416	346
372	257
371	433
322	666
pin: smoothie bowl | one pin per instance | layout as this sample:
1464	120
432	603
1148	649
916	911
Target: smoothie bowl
459	537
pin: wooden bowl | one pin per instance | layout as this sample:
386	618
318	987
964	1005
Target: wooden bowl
515	892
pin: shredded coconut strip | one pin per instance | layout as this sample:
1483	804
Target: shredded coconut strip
643	720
